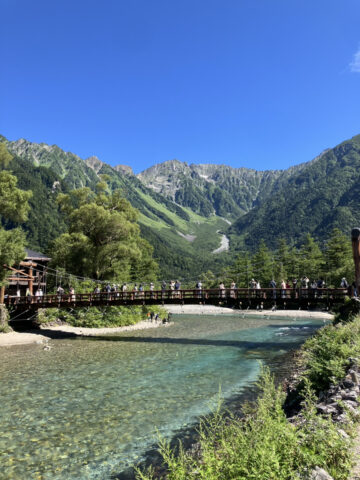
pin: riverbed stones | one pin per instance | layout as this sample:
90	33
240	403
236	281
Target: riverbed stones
354	377
320	474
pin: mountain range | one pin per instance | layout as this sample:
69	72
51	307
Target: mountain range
197	217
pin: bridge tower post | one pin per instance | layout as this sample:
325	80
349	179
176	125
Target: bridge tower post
355	240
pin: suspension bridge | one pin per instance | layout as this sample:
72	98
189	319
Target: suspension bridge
242	298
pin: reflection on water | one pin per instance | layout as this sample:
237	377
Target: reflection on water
89	408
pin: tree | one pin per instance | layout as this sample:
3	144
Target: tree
311	259
242	270
13	206
338	258
103	241
263	265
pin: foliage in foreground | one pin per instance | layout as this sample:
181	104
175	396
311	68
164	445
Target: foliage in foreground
326	354
93	317
264	445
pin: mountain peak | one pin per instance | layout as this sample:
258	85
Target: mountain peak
95	163
125	169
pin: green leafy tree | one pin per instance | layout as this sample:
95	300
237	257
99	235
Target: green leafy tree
13	206
338	258
103	241
209	279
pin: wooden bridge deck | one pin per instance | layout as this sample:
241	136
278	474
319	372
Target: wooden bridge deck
238	298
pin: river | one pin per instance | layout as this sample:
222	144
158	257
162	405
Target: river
89	408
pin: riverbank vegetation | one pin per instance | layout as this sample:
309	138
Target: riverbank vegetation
264	444
98	317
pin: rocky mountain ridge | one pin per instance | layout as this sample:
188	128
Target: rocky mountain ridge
215	189
185	210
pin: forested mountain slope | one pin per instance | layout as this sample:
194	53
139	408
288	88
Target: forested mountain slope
321	196
184	210
182	240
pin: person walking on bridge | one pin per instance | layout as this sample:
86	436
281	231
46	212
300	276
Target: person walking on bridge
163	289
177	288
199	288
60	292
272	285
72	297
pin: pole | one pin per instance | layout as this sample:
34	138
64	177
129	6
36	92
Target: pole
31	278
2	294
355	240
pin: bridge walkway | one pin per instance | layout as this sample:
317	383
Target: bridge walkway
239	298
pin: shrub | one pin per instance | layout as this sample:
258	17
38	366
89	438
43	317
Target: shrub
96	317
262	445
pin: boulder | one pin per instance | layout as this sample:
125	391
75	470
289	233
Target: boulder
320	474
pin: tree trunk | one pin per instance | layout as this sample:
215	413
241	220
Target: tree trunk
4	318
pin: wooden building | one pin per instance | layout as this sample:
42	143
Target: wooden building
29	274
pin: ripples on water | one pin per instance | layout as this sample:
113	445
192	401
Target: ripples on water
89	408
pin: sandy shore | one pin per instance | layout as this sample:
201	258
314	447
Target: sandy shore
91	332
21	338
46	333
213	310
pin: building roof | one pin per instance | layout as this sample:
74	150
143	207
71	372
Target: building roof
33	255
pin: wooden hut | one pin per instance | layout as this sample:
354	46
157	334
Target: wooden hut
29	274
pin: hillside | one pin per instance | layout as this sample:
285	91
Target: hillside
182	240
209	189
316	199
185	210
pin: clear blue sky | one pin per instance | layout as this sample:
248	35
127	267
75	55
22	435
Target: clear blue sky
263	84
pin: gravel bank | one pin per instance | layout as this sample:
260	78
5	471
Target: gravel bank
212	310
44	334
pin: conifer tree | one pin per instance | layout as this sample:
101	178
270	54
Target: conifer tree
242	270
263	265
338	258
311	259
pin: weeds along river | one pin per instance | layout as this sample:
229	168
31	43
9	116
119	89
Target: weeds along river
89	408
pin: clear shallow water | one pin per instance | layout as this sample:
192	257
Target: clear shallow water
89	408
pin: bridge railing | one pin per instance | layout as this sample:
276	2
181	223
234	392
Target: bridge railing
162	296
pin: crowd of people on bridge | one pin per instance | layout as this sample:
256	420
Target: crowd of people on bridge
172	290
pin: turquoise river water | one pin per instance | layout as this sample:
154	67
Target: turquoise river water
89	408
